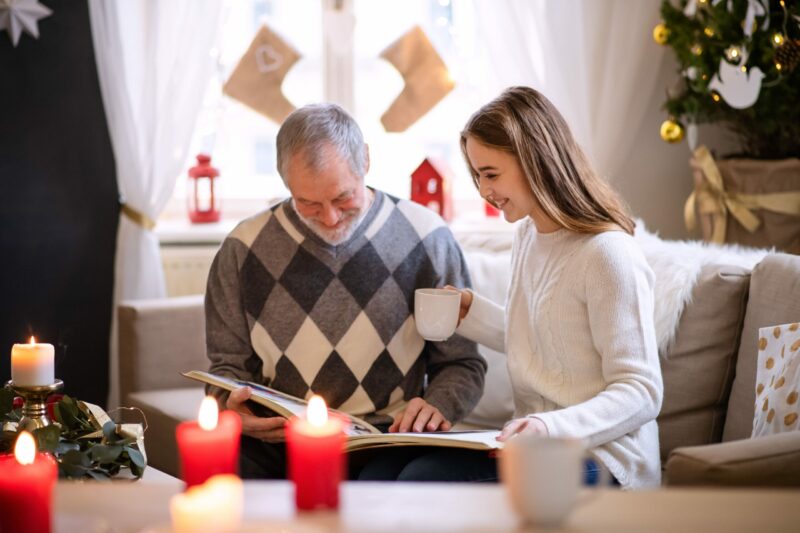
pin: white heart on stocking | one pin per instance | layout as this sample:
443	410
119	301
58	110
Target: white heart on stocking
268	59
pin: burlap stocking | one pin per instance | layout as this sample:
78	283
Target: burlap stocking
257	79
426	79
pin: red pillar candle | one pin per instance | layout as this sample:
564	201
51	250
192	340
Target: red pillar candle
26	488
315	447
209	446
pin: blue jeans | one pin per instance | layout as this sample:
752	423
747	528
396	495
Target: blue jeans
592	474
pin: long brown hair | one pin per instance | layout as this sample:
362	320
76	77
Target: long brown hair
521	121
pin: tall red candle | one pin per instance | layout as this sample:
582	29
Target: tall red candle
26	488
209	446
316	458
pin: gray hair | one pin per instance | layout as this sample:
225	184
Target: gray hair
311	129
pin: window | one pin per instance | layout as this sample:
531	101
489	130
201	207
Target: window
242	142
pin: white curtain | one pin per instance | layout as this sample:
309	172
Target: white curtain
154	63
594	59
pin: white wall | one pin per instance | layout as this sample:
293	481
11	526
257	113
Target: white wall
657	180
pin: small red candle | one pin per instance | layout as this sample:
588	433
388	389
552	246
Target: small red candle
209	446
315	447
26	488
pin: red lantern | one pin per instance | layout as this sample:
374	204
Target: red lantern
202	200
430	186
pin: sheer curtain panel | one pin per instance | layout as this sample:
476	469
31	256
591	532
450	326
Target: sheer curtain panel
595	60
153	61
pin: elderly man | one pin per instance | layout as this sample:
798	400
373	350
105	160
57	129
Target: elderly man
316	294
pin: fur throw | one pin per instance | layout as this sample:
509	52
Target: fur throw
677	265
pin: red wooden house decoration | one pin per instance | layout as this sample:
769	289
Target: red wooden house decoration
430	186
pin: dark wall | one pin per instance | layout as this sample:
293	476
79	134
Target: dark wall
58	200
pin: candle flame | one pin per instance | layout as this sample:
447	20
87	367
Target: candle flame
25	448
32	340
209	413
317	412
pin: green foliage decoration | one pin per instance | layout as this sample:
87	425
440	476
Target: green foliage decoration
82	448
769	129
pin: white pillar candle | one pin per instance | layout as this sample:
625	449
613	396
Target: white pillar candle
216	505
32	364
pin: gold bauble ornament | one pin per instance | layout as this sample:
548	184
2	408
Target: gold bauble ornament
660	34
671	131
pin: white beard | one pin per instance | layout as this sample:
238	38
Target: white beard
352	219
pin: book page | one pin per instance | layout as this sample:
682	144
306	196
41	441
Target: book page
283	404
474	440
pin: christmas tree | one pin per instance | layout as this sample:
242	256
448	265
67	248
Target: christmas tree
739	68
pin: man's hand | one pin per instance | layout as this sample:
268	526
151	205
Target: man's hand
266	429
419	416
527	426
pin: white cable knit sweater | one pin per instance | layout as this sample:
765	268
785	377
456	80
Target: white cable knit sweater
581	346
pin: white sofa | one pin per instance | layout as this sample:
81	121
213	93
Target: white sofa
711	304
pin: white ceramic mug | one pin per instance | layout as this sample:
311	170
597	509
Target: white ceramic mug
436	312
542	476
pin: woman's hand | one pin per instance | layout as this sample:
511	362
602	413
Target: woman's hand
526	426
466	301
267	429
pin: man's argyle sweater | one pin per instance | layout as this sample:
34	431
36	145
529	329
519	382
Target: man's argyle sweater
286	309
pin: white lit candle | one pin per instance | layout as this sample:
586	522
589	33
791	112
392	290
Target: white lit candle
32	364
216	505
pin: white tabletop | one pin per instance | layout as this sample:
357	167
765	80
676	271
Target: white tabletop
404	507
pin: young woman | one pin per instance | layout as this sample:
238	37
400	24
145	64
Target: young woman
578	323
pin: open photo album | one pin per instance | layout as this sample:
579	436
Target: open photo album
360	434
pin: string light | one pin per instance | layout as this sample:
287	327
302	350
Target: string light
715	96
777	39
733	54
778	66
709	31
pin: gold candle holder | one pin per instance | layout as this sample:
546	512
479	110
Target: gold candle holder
34	407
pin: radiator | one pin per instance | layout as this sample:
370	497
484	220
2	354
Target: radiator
186	268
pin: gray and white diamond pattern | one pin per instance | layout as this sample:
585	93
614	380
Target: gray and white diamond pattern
266	349
309	350
360	346
335	310
329	313
395	240
406	345
281	317
281	249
